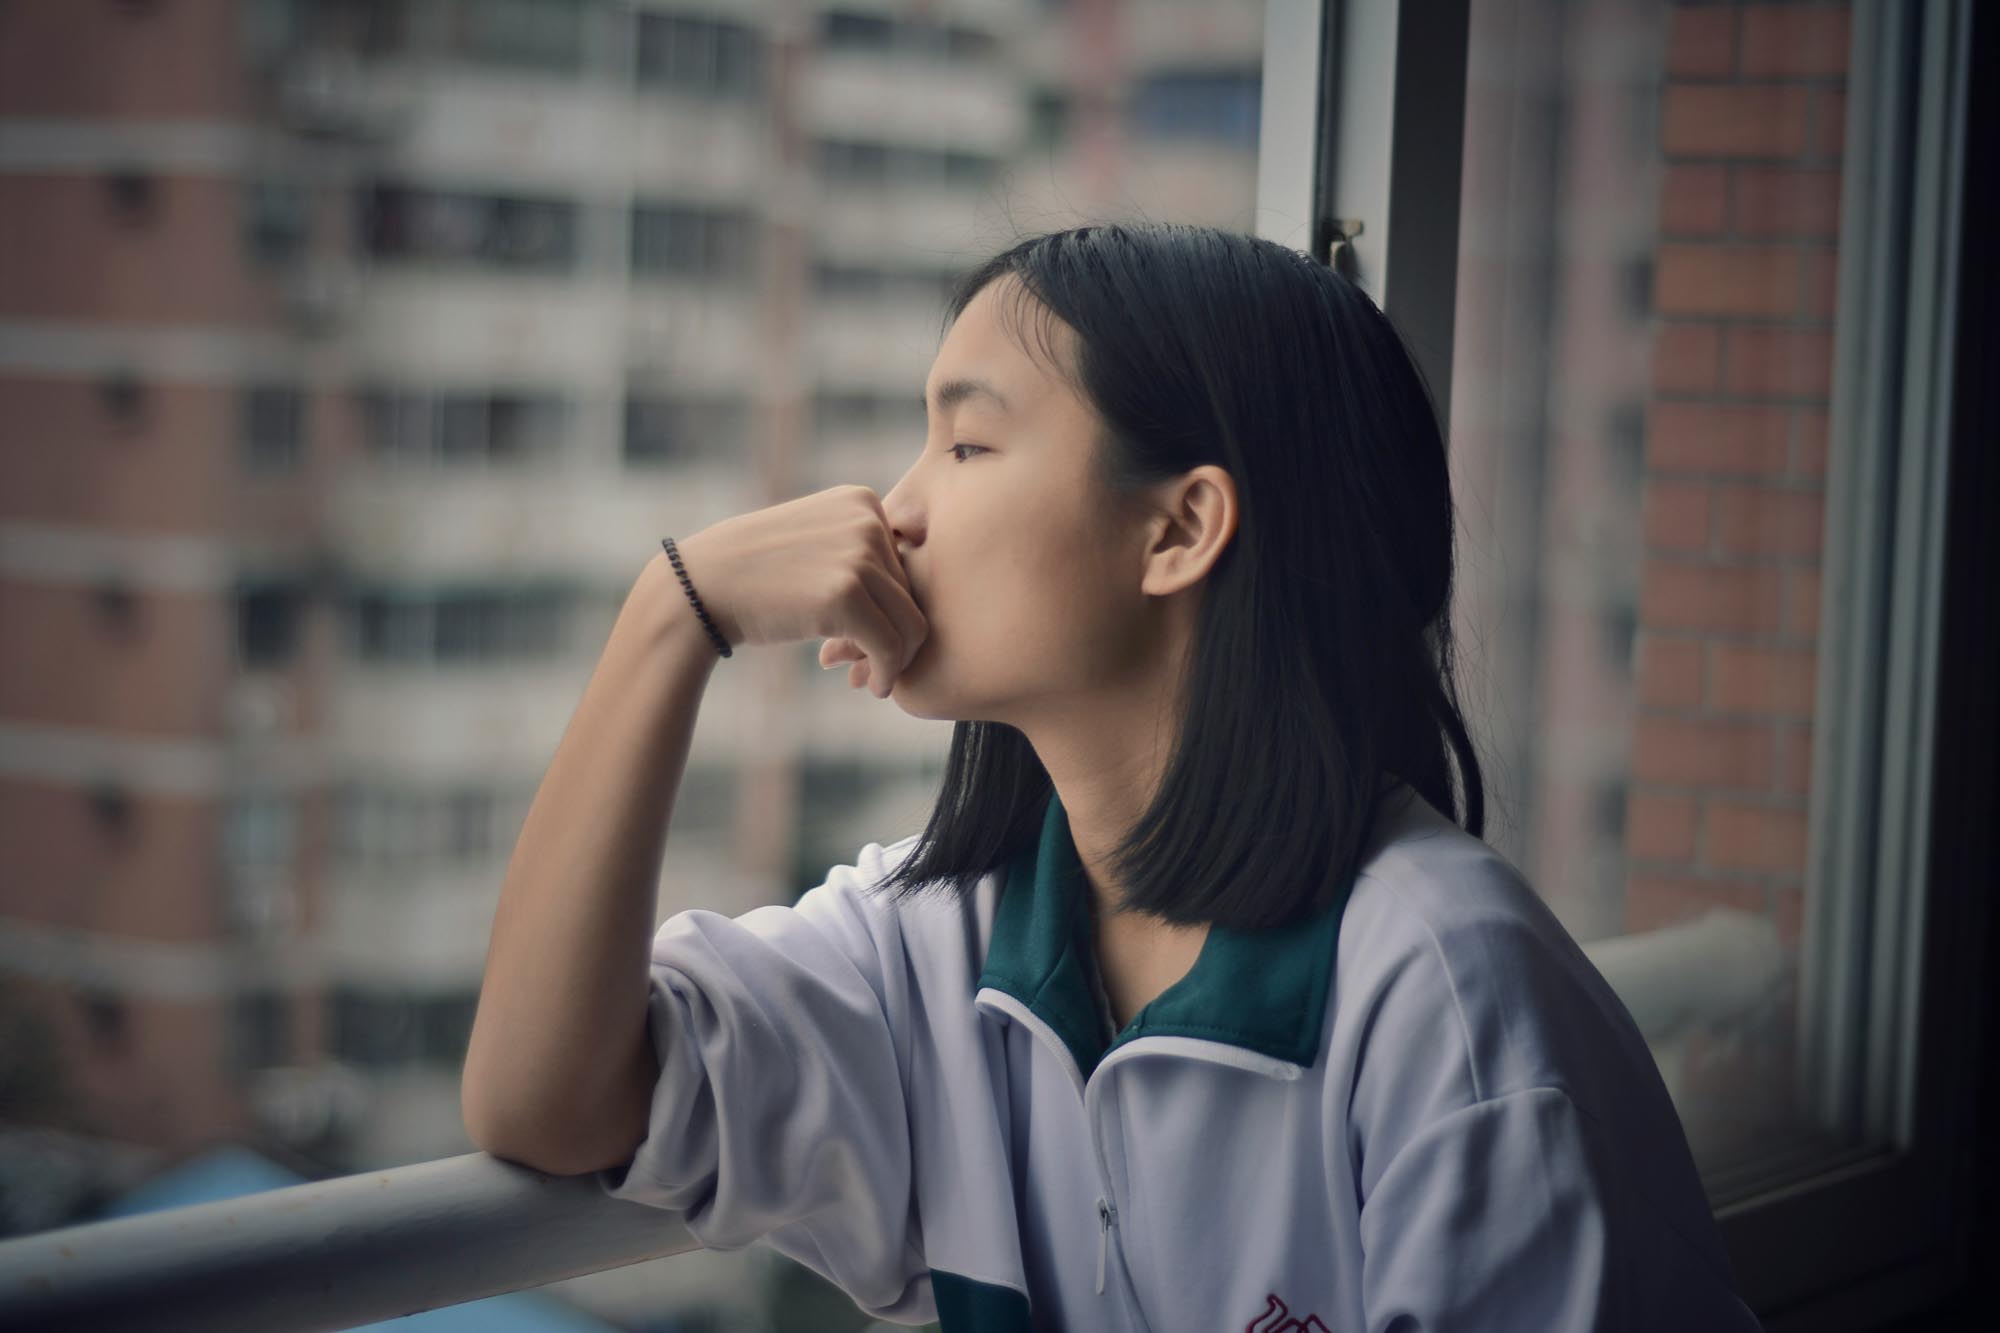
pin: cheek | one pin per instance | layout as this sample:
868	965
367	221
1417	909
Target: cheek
1022	577
1058	603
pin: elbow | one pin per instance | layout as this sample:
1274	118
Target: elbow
508	1137
586	1130
479	1123
553	1145
569	1160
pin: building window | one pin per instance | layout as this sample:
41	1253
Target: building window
1048	119
496	625
832	279
503	427
668	429
693	241
543	35
389	1028
469	823
134	194
705	57
260	1030
260	829
392	627
267	625
471	229
459	626
392	828
495	427
470	626
273	428
274	30
856	162
841	30
961	43
847	30
444	1028
277	220
1217	105
373	1028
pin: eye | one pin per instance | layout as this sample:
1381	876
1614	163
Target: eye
953	450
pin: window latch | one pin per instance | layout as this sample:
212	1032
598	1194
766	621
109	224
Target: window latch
1336	247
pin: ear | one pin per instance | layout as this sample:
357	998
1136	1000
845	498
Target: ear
1196	519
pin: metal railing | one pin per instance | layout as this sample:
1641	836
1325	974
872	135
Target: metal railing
381	1244
329	1254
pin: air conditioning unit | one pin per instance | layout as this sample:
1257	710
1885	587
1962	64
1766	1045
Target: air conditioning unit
318	294
329	94
259	706
262	903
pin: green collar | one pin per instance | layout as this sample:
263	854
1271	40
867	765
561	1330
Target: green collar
1261	990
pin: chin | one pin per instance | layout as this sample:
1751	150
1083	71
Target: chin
911	702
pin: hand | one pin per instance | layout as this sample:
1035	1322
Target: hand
824	565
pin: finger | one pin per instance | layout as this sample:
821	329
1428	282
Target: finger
909	617
899	610
873	628
857	675
837	650
868	677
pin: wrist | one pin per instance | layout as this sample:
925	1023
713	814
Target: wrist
681	598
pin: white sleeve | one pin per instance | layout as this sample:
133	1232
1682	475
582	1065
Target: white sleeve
780	1113
1509	1214
1489	1218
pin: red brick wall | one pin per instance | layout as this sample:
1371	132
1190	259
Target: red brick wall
1750	133
104	60
67	253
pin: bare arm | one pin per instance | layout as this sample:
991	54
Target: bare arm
559	1073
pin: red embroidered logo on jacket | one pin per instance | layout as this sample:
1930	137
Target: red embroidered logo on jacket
1277	1319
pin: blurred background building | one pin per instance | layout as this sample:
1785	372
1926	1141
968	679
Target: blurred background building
354	357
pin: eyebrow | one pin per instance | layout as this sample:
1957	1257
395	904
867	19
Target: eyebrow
953	392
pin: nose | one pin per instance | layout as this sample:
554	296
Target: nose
904	516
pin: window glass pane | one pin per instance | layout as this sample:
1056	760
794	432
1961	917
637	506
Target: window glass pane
261	1035
702	56
532	284
267	626
1640	392
528	34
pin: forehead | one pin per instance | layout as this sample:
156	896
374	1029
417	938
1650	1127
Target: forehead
985	344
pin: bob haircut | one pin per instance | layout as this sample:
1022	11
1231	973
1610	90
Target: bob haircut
1321	664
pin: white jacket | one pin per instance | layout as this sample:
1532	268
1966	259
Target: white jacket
1421	1111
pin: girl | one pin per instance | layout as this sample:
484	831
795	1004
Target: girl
1193	1006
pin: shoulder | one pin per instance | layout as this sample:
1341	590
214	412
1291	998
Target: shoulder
1448	956
1465	1012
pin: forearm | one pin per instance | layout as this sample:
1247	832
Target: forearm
558	1068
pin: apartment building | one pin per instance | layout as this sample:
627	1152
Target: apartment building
354	357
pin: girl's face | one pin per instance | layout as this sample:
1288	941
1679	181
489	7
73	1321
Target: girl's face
1026	574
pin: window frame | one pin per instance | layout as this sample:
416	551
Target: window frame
1895	799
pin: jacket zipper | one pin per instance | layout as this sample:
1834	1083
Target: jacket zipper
1106	1216
1107	1213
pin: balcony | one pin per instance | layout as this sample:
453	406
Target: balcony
381	1244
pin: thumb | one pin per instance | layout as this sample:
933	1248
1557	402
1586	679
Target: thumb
835	651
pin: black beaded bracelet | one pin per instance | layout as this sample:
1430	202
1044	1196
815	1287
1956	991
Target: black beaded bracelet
721	644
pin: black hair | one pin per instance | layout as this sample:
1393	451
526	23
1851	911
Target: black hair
1321	666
